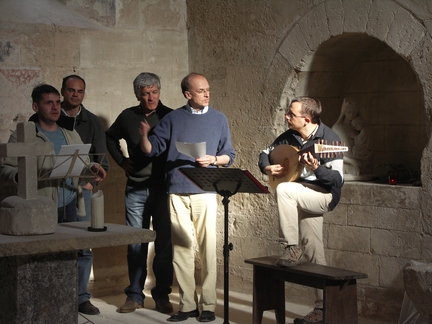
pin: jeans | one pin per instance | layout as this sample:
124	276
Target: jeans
143	202
85	257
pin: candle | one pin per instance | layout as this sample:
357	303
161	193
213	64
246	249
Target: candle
97	210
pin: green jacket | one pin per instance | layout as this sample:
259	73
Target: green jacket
46	188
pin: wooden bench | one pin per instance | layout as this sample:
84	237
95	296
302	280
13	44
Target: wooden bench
339	286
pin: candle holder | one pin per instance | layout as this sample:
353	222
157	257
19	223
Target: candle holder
92	229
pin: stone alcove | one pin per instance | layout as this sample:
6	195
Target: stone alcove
382	83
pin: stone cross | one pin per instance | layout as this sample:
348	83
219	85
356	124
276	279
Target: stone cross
27	149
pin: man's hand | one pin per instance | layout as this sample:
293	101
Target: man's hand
128	166
88	186
100	173
276	170
308	160
205	161
144	129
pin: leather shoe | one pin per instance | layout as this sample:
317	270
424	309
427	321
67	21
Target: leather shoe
164	306
88	308
130	306
207	316
183	316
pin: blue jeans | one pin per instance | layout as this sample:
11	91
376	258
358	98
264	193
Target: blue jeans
143	202
85	256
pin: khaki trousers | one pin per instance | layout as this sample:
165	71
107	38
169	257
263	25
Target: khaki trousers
194	215
301	207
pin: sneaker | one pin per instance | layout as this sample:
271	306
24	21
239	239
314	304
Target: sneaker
88	308
292	256
314	317
129	306
164	306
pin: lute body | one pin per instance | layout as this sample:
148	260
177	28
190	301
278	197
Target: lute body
288	157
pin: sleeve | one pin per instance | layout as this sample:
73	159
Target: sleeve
331	173
264	160
9	167
225	144
159	136
99	144
112	137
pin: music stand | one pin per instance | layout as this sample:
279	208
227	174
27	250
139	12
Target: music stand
226	182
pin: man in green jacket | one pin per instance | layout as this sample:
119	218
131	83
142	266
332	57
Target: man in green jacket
66	193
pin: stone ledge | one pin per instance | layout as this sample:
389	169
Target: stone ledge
73	237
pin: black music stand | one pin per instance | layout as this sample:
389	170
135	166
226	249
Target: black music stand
226	182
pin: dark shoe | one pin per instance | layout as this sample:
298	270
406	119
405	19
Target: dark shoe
207	316
87	308
164	306
129	306
183	316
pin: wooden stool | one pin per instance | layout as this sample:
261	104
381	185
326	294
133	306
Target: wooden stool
339	286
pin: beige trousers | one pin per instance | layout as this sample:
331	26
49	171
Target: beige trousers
301	207
194	215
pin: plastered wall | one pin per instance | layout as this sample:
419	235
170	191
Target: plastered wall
108	43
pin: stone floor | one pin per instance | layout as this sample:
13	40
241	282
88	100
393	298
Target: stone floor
240	311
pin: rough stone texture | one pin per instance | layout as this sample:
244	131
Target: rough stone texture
257	58
19	216
39	289
417	280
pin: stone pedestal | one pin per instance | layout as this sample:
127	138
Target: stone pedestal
38	278
39	289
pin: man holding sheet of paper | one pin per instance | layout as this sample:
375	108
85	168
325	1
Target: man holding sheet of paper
184	130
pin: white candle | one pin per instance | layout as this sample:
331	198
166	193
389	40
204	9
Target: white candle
97	210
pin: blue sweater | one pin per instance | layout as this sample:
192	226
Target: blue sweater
183	126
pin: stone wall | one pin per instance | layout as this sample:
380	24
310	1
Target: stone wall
108	43
259	56
256	55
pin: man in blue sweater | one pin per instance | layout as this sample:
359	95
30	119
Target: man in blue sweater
190	207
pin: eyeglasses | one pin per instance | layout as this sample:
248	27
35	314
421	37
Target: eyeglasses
290	114
201	91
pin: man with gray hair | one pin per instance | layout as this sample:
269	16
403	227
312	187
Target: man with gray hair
145	195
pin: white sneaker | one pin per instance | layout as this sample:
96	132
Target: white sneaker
314	317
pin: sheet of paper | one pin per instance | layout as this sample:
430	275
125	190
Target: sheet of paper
195	150
63	165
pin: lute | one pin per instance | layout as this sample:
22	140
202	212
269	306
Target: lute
288	156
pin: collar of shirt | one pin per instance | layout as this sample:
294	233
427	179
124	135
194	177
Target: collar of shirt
79	112
199	112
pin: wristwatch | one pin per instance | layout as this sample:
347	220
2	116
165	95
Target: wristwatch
215	161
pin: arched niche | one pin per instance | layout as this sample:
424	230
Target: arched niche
384	86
